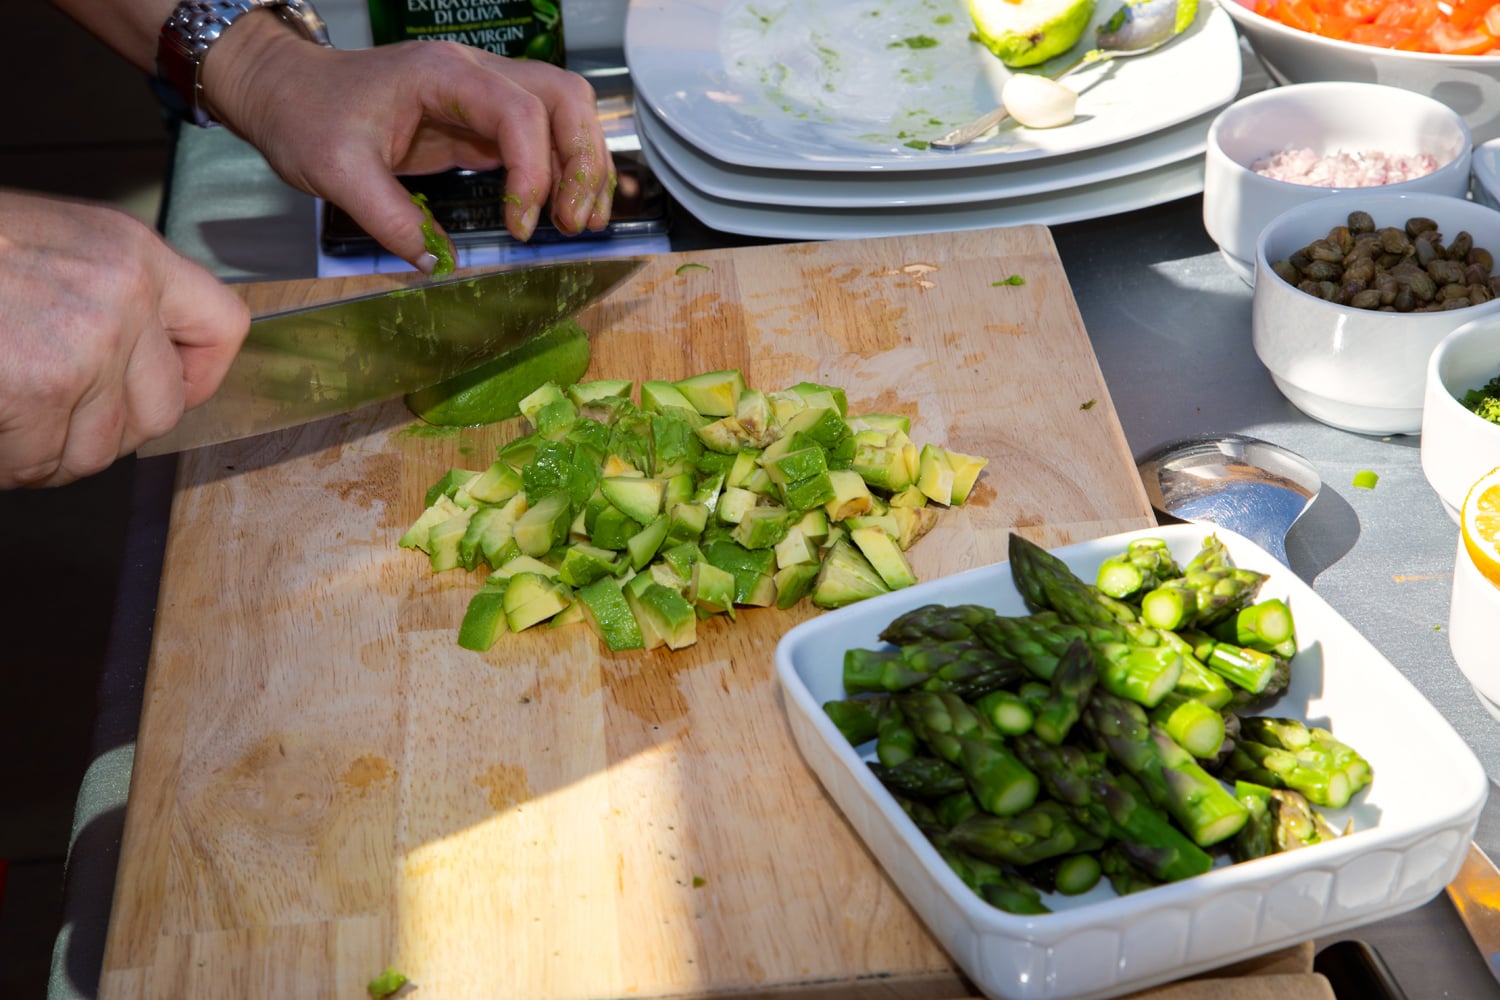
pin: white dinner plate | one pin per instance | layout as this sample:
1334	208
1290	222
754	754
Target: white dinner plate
1089	201
838	84
814	189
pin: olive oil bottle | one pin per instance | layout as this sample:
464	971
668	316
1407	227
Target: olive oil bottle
520	29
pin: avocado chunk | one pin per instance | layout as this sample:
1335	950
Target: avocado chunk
935	475
762	527
484	618
496	484
713	394
490	527
644	544
520	564
846	576
1026	34
712	588
664	613
611	614
544	525
794	583
583	564
419	535
637	496
885	555
663	397
531	597
443	539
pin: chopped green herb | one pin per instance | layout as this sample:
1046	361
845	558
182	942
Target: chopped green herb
434	242
1089	405
1014	279
511	198
386	983
1365	479
692	267
1485	402
699	882
916	42
917	143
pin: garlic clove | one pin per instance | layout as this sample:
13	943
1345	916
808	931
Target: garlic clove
1037	102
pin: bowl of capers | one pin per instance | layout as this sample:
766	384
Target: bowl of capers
1353	292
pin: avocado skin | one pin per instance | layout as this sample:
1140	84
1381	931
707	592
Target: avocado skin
1053	29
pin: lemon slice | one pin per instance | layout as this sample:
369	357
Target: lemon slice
1481	525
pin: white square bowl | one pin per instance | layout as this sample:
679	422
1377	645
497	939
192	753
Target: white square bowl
1411	826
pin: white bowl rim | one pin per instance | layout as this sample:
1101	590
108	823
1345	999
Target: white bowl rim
1487	326
1365	196
1461	162
1236	10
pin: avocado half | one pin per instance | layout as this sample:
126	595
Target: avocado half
1032	31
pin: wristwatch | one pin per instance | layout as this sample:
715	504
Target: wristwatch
193	28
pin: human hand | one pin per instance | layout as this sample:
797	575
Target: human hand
342	124
107	334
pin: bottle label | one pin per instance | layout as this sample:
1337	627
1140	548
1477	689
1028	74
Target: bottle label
520	29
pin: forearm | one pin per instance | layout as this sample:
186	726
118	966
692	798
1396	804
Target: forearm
130	27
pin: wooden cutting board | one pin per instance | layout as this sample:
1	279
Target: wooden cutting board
326	784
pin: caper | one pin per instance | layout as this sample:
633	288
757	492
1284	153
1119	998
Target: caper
1460	303
1475	275
1450	292
1323	270
1480	257
1405	301
1324	250
1479	292
1369	298
1286	271
1446	272
1418	224
1424	251
1361	222
1460	247
1359	269
1422	286
1393	240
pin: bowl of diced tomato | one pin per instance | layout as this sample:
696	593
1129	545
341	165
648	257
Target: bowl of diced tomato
1446	49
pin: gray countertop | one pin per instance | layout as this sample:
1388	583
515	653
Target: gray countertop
1170	325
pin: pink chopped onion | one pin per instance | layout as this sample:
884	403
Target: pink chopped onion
1343	170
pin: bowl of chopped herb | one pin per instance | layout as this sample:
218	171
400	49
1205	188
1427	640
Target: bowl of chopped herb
1461	411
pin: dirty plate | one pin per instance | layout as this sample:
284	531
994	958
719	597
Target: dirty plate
859	84
1411	826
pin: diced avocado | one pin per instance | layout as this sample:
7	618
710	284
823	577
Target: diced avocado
795	466
664	615
416	537
885	555
724	435
935	475
733	504
520	564
762	527
709	488
755	417
496	484
822	426
615	466
815	394
680	557
555	420
531	597
613	528
448	485
443	539
785	404
611	615
570	615
583	393
544	524
846	576
747	565
795	548
759	483
489	529
679	490
966	469
881	460
808	493
851	497
912	523
744	465
712	588
685	522
885	521
909	497
592	433
881	422
583	563
520	451
543	395
794	583
639	497
758	591
675	447
814	524
667	576
644	544
484	618
713	394
662	397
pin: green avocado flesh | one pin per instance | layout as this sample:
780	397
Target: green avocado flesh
1032	31
494	390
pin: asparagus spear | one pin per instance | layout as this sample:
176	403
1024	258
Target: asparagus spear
1001	784
921	777
1194	726
1045	830
1072	683
1280	820
1145	564
895	739
959	665
1141	671
1046	582
1070	875
1170	775
1266	625
995	885
1286	753
1210	589
1246	668
1124	875
936	621
1007	711
857	718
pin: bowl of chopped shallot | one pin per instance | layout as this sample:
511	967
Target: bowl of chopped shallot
1448	51
1290	145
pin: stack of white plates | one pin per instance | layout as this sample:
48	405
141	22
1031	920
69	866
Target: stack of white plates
810	119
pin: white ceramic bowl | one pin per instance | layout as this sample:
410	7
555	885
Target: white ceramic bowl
1474	628
1469	85
1457	446
1411	826
1356	369
1327	118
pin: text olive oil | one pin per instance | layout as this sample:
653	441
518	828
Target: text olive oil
520	29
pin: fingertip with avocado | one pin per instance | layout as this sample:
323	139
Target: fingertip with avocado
709	495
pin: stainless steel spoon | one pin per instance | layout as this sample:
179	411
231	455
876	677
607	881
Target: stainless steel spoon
1241	483
1133	30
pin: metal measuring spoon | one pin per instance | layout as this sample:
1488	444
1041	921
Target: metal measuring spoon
1241	483
1136	28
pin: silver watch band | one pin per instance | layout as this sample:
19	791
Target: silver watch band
193	28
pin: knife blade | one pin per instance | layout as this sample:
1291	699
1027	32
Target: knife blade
1476	894
307	364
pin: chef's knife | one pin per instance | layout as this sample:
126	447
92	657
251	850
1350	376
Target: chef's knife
326	360
1476	894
